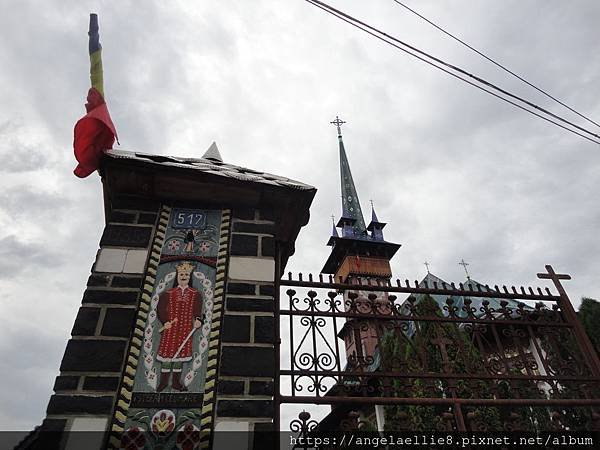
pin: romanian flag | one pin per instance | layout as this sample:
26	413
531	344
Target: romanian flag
95	131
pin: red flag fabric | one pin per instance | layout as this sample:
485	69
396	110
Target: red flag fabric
93	133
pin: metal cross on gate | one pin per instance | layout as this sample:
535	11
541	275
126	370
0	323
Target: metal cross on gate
567	308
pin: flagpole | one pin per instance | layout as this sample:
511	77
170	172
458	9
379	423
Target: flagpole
95	50
95	132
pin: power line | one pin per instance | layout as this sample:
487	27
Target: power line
506	69
354	21
459	77
366	28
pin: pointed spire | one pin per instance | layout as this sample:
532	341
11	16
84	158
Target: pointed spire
334	232
355	240
373	215
375	227
213	153
350	204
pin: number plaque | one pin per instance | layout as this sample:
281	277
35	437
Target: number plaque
187	218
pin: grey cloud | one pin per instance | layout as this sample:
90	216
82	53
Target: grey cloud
30	359
16	154
25	200
17	257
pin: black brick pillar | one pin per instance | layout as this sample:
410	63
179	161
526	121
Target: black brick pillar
247	358
93	360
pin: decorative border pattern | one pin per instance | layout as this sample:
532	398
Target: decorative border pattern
124	397
126	389
210	384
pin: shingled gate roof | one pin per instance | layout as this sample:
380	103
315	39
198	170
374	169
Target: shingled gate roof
211	166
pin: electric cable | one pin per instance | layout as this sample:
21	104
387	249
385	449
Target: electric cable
501	66
367	28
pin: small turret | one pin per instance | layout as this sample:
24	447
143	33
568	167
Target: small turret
375	227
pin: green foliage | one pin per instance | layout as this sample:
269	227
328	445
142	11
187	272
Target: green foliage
589	314
422	353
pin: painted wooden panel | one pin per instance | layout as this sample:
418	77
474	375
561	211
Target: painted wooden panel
167	391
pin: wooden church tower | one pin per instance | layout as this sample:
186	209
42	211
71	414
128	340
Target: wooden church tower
359	255
174	339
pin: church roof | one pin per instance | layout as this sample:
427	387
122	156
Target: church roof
458	301
210	165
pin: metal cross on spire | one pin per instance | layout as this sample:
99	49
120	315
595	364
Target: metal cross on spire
338	123
427	266
465	264
333	219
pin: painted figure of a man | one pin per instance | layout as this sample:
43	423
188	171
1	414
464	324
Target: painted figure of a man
180	311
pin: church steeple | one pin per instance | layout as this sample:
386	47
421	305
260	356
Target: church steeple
354	223
359	256
355	251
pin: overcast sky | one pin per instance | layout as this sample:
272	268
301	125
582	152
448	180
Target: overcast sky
454	172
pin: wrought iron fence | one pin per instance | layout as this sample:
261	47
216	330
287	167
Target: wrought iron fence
435	356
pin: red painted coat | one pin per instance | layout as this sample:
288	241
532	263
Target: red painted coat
184	305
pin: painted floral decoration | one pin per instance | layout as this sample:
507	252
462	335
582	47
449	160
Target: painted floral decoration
188	437
163	422
133	439
174	246
204	247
